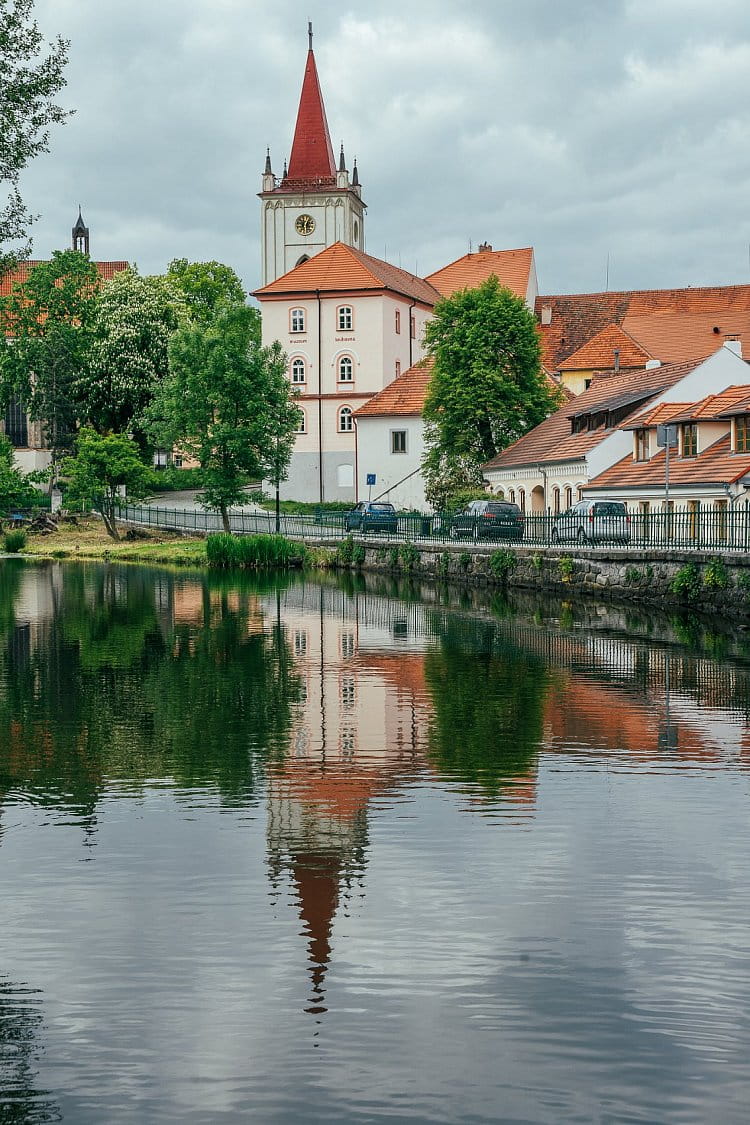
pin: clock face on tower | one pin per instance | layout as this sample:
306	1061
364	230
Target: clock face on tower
304	224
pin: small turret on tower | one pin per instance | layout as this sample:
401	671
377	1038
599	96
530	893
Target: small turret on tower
269	180
342	176
80	234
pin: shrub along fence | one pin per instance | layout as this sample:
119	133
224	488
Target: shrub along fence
699	529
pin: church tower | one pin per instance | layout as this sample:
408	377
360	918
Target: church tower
81	235
314	203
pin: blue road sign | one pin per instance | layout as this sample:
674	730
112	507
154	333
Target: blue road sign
371	478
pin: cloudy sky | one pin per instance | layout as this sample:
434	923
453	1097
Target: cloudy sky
588	129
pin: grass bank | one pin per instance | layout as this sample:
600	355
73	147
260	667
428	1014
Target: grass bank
87	539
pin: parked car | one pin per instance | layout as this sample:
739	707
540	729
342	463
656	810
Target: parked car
488	519
372	516
593	521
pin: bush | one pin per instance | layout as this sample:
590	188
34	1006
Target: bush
174	480
252	552
14	541
502	564
632	575
716	575
345	551
409	556
567	566
687	583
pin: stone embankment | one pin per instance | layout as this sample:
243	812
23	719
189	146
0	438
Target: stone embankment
708	581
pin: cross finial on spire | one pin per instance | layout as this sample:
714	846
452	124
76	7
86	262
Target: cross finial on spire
309	33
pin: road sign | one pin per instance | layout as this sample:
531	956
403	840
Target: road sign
666	435
371	478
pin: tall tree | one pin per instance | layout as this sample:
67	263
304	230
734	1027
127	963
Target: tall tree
135	318
30	79
206	288
227	404
50	317
487	387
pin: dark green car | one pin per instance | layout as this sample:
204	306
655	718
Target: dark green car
372	516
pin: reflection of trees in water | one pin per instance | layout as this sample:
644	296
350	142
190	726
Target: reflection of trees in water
109	687
488	700
20	1024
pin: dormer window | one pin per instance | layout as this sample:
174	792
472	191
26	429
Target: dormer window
641	445
742	435
690	439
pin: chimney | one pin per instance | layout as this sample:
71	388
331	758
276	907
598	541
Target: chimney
546	315
652	363
485	246
734	344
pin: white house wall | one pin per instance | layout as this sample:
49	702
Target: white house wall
398	475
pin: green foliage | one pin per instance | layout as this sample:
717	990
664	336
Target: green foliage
102	467
451	481
537	562
172	479
358	554
686	583
207	288
252	552
134	320
716	576
30	80
300	507
50	315
14	541
502	564
409	556
394	558
16	488
345	551
567	567
227	404
743	582
487	388
464	561
444	564
632	575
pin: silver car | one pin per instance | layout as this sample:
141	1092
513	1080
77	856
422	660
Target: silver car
593	521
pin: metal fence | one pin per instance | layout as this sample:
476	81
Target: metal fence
712	529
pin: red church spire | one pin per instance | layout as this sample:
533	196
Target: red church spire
312	163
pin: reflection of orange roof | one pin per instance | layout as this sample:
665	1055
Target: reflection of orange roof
405	671
716	465
405	395
511	267
341	268
599	352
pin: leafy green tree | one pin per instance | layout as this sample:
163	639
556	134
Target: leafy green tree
50	316
135	318
487	388
16	488
29	81
226	404
206	288
104	464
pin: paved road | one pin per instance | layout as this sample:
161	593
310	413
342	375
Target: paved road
189	502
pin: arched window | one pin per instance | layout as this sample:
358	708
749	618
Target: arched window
297	320
579	492
346	318
302	427
522	499
568	497
556	500
304	258
346	369
512	496
346	422
398	321
299	374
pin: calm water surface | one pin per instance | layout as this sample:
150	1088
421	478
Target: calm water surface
352	853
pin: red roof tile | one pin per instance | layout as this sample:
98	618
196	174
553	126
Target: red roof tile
341	268
598	352
670	324
311	163
553	440
17	276
511	267
716	465
713	407
405	395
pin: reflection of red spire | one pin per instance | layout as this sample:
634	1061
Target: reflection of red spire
312	153
317	881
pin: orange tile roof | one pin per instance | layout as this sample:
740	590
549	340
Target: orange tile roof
405	395
511	267
17	276
716	465
552	440
598	352
343	268
671	324
715	406
656	415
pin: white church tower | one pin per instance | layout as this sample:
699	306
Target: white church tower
314	204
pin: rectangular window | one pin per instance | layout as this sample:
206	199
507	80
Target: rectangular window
297	320
345	318
398	368
413	328
16	426
398	441
690	439
641	445
398	321
742	435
